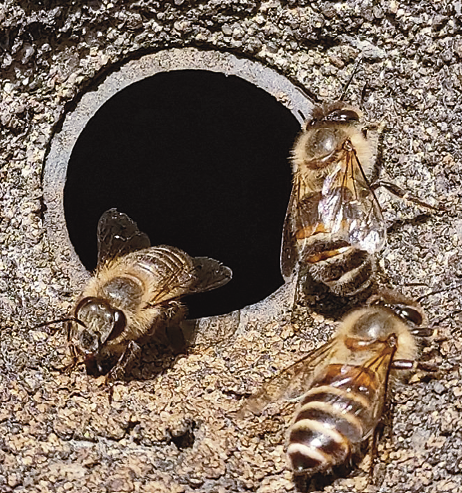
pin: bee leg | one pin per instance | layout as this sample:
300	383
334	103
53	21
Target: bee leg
373	451
127	359
72	350
404	364
378	133
376	473
75	359
428	367
178	334
110	385
423	331
405	195
68	368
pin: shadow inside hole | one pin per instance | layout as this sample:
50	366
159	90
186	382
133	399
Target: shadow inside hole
200	161
184	438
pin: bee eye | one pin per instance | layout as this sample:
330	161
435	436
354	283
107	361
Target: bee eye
120	321
343	116
85	303
410	314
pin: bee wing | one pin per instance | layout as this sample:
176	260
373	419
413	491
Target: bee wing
210	274
292	382
382	366
378	368
288	247
349	208
118	235
302	219
187	275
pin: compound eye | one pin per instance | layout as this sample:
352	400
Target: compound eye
119	324
411	315
94	312
343	116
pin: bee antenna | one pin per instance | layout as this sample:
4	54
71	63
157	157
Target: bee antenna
438	291
355	69
455	312
68	319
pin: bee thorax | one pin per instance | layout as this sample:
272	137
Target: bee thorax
124	292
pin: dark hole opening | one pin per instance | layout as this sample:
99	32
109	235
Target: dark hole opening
185	439
200	161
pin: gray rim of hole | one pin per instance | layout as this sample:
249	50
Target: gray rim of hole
62	144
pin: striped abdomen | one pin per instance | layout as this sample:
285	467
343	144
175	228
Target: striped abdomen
334	416
162	262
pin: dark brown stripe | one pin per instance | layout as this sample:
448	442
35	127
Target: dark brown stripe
345	402
349	429
320	246
350	261
301	462
322	441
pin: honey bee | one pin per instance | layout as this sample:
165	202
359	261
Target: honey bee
133	294
334	223
342	385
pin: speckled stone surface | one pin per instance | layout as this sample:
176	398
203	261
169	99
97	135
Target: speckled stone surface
172	427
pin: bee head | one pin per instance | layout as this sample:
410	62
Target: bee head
335	113
410	314
99	323
325	133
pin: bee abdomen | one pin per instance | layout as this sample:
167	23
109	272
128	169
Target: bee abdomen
165	257
324	432
164	261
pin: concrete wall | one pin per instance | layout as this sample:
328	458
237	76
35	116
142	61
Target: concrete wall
171	427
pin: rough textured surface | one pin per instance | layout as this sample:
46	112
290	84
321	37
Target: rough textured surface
171	428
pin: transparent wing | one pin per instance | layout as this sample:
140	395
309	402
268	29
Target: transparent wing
376	371
292	382
118	235
349	208
301	221
289	248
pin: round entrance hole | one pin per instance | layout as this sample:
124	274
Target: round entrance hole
198	158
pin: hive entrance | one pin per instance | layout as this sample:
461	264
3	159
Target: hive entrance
199	160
